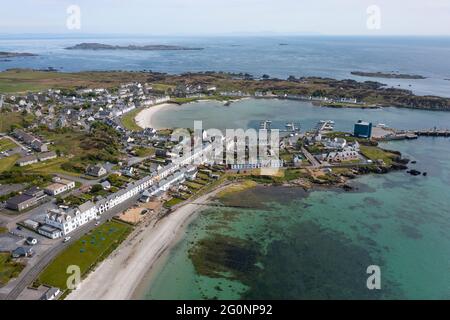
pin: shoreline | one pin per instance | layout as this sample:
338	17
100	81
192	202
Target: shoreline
126	272
144	118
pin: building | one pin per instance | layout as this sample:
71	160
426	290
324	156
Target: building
47	156
71	219
177	177
96	171
50	232
191	173
31	224
21	252
26	161
336	143
39	146
59	186
106	185
346	155
26	200
363	129
51	294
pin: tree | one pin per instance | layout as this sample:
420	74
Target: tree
96	188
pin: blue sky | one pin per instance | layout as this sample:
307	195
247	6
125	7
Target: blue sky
208	17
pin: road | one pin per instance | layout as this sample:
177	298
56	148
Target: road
310	158
29	276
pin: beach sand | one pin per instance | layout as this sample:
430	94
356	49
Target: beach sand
144	118
122	273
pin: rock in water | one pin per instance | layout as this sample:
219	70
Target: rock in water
414	172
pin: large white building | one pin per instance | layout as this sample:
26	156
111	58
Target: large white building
73	218
59	186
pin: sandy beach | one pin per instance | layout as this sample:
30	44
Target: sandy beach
121	274
144	118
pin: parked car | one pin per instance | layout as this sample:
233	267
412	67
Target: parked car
31	241
67	239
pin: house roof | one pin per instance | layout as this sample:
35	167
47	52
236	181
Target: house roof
50	154
86	206
49	229
27	159
19	199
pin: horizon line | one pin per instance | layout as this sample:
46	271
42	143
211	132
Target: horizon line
231	34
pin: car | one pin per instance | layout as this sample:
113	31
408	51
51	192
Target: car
67	239
97	223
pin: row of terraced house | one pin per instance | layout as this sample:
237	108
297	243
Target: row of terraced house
62	222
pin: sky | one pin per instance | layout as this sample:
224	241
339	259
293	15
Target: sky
216	17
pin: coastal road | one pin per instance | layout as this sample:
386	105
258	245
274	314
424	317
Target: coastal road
310	158
29	276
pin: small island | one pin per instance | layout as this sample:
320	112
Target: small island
4	55
387	75
100	46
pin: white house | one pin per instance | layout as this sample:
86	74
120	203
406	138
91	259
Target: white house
73	218
336	143
50	232
59	186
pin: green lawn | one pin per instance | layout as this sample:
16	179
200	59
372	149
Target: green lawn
6	144
128	120
144	152
162	87
9	269
8	163
375	153
9	119
52	166
85	253
173	202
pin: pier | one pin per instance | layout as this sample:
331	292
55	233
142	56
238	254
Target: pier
385	134
433	133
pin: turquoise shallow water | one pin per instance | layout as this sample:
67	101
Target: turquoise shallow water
291	244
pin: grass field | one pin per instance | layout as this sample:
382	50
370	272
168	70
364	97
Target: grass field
85	253
22	80
144	152
6	144
8	162
52	166
128	120
9	269
173	202
9	119
375	153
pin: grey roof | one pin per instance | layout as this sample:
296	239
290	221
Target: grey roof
49	228
106	184
86	206
50	154
19	199
27	159
95	169
33	191
49	293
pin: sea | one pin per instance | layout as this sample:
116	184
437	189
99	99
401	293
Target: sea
288	243
276	56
